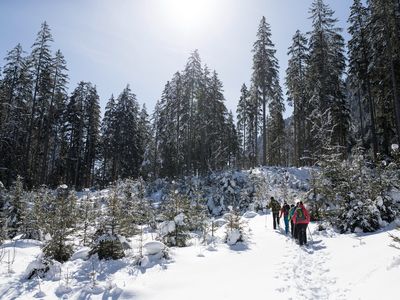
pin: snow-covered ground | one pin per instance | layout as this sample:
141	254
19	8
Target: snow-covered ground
269	266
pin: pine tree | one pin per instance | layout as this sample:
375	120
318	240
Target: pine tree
243	123
276	128
384	62
108	127
16	208
146	143
192	122
15	89
174	231
325	81
359	53
128	149
52	119
82	117
3	219
87	216
41	68
107	242
62	216
296	84
265	74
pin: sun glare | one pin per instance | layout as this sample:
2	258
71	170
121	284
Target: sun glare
189	15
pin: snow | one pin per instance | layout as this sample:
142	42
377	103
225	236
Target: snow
269	266
249	214
154	247
82	253
233	237
166	227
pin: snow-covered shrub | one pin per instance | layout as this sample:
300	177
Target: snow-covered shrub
230	189
37	268
107	246
62	220
235	227
107	239
357	193
16	207
174	230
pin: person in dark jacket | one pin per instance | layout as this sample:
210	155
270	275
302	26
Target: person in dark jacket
301	218
275	207
285	213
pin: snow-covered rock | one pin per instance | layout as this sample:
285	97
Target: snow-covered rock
154	247
249	214
219	222
35	268
166	227
82	253
233	237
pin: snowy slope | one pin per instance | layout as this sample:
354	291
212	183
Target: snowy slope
269	266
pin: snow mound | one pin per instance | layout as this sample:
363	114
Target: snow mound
82	253
154	247
62	289
166	227
249	214
233	237
35	268
219	222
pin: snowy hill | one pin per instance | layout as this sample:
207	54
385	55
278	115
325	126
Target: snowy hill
268	266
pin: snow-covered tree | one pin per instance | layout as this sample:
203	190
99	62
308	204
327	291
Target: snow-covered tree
296	84
265	75
107	238
174	230
62	222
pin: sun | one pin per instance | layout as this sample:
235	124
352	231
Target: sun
189	16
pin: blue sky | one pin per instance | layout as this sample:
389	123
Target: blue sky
143	42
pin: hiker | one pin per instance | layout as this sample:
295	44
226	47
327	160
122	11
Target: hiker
291	213
285	212
301	218
275	207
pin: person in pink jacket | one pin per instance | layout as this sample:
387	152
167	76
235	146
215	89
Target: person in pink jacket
301	218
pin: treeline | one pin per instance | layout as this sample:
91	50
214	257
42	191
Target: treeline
50	137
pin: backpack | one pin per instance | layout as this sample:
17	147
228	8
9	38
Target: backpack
286	209
300	216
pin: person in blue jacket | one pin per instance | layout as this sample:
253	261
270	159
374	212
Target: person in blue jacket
285	212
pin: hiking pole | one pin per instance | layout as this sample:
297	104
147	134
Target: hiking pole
265	218
309	231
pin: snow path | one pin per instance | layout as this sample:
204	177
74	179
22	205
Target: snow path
273	266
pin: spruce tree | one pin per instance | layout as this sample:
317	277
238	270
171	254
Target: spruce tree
15	102
82	117
359	53
265	74
325	82
106	241
53	118
242	112
16	208
62	216
41	67
296	84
